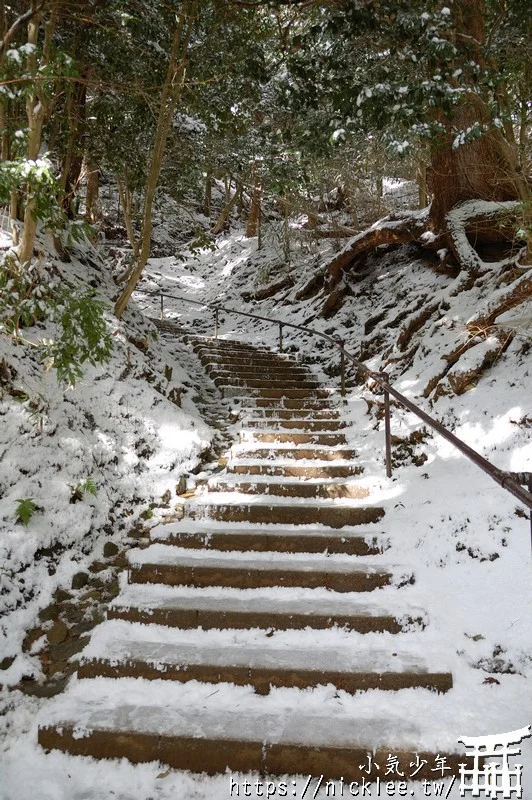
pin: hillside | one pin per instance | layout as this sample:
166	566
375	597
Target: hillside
151	417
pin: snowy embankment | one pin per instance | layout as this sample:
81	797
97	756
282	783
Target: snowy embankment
132	427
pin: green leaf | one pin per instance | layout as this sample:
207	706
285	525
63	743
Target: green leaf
25	510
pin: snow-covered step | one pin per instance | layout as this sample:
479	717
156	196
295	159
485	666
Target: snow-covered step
269	609
255	412
277	451
279	393
221	369
286	468
227	508
309	404
121	649
262	382
315	425
311	489
174	566
293	437
272	538
233	730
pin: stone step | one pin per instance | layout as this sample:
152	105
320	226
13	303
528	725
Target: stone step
182	607
280	393
324	439
162	563
219	370
296	414
274	539
310	489
252	364
227	345
291	470
318	425
234	380
126	650
137	720
333	516
323	453
309	404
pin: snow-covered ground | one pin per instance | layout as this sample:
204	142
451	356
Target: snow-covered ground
465	538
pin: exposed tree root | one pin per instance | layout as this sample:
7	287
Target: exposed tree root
500	303
412	327
400	232
273	288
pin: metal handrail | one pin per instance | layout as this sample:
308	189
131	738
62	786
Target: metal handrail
505	479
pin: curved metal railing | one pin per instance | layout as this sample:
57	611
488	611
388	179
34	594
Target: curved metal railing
508	480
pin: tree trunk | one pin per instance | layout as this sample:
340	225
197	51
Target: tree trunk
224	216
35	109
73	158
208	194
486	168
93	209
254	211
421	176
171	92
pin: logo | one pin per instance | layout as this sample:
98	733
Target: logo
496	779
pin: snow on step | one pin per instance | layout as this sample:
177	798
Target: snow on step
235	729
118	648
173	565
270	538
279	608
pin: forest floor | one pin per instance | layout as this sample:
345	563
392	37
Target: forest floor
466	539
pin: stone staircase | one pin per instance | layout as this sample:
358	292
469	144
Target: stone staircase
271	584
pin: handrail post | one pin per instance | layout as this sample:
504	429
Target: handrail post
340	343
280	337
216	320
387	427
162	305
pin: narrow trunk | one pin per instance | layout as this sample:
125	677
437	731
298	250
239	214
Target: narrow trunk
124	194
170	95
35	109
224	216
254	211
93	209
208	194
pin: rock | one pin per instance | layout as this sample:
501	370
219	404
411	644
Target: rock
98	566
61	595
165	499
94	594
48	689
63	651
6	662
79	580
110	549
181	486
50	612
31	637
58	633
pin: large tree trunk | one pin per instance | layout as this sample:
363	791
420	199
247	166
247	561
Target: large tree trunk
486	168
